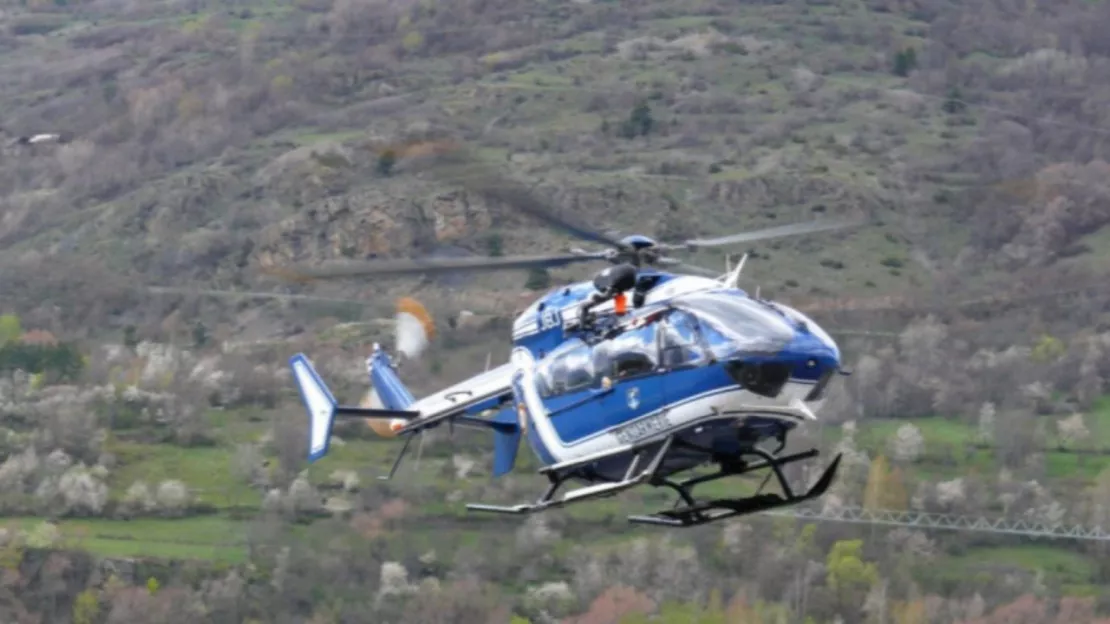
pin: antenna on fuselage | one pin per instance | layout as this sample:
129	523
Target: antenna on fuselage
732	278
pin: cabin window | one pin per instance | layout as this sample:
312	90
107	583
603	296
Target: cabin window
569	371
680	343
632	353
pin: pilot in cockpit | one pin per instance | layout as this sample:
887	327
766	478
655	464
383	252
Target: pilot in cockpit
632	363
679	340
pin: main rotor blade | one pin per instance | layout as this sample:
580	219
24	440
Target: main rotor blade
245	294
678	265
693	268
462	167
409	267
792	229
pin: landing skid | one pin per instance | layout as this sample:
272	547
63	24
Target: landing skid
693	513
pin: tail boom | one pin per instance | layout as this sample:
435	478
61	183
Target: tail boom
467	404
323	409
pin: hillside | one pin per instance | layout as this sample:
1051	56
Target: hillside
203	141
207	140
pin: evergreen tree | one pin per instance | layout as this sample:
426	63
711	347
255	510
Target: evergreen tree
639	123
61	361
905	61
200	334
954	103
538	279
386	161
130	337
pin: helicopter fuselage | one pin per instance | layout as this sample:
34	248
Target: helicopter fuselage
757	370
697	373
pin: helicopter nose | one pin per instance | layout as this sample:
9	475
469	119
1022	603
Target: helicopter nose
805	359
810	358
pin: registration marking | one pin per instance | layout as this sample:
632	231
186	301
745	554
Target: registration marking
642	428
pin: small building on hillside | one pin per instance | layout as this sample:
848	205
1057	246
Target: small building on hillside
39	337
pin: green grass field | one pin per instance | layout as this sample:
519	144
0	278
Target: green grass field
208	538
1065	567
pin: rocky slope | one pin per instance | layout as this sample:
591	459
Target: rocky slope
201	142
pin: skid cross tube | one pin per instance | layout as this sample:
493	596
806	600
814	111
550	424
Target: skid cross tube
731	467
693	513
400	456
734	468
697	513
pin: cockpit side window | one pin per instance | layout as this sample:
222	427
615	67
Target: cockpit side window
633	353
566	372
573	368
579	369
680	342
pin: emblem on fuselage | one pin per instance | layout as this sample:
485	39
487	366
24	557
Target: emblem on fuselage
633	398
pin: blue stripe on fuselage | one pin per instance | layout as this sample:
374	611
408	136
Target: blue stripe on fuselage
593	418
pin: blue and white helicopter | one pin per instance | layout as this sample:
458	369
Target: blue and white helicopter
631	379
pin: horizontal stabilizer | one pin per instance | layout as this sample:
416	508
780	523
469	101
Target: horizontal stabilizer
348	411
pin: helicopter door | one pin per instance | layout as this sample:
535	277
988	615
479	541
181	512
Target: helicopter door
683	357
630	362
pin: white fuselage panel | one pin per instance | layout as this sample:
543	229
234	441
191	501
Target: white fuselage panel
485	385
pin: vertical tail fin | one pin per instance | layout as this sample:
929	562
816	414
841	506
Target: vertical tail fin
318	402
506	440
506	444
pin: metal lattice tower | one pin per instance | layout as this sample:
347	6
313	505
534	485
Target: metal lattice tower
951	522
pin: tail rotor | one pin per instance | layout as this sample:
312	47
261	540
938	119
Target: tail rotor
414	329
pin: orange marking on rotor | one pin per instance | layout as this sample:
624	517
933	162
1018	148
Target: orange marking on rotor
408	305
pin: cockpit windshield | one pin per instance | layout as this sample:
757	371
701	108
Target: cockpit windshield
731	323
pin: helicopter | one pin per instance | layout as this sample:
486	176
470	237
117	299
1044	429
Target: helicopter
630	379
